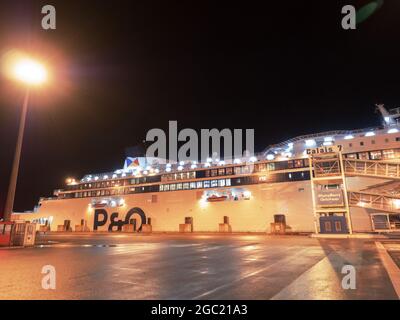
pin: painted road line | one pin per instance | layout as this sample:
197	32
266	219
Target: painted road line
320	282
390	266
251	274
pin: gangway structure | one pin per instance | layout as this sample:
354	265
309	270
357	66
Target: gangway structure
329	172
372	168
329	194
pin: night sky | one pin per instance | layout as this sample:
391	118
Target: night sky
120	68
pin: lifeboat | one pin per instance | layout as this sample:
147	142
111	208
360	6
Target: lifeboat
215	198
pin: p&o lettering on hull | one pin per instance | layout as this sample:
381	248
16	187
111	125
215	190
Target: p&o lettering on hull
101	219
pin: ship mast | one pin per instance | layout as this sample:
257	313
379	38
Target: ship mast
390	118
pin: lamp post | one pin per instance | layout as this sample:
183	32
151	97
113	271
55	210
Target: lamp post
31	73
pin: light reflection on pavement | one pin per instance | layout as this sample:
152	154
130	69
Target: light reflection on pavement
100	266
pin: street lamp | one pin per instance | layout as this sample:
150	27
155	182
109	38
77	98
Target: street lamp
31	73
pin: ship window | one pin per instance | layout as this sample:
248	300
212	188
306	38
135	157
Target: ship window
98	193
351	156
375	155
193	175
246	169
386	140
193	185
227	182
328	226
207	173
361	143
185	186
290	164
206	184
214	173
261	167
298	163
199	184
179	186
338	226
271	166
161	187
290	176
221	183
214	183
172	186
372	141
166	187
363	156
229	171
397	138
388	154
221	172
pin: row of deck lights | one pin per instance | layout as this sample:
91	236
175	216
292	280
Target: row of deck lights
168	168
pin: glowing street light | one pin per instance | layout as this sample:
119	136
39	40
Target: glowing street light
31	73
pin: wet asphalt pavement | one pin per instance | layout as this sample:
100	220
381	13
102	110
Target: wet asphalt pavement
121	266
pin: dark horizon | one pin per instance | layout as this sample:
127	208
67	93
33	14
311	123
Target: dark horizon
284	69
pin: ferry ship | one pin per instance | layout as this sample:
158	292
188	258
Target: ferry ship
329	182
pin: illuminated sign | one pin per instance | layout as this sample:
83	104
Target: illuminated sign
330	198
325	149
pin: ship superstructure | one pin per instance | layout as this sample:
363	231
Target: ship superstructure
286	180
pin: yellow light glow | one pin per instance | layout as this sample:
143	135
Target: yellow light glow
29	71
70	181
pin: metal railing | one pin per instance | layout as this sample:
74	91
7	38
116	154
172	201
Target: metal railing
374	201
326	168
371	168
